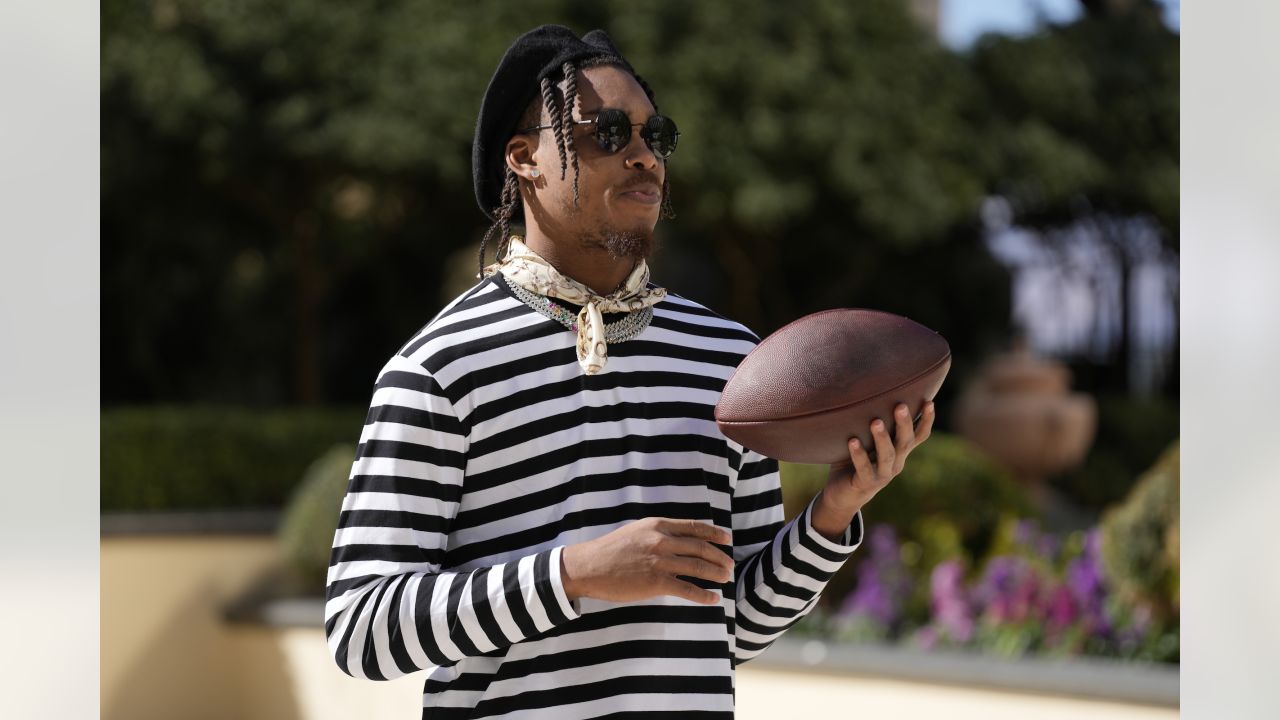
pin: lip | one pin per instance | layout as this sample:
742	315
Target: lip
646	194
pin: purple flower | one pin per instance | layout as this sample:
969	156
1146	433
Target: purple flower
883	583
1084	577
1093	543
1048	546
998	579
1085	580
871	597
1024	533
883	542
1009	590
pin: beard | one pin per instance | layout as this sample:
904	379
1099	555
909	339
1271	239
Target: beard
635	244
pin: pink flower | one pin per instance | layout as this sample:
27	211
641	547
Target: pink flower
949	601
927	637
1062	610
1025	598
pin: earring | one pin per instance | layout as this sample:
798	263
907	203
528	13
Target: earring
535	172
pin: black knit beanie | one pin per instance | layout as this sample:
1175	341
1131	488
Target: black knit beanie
535	55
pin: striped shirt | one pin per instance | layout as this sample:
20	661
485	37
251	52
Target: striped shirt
487	450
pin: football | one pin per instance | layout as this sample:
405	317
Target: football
819	381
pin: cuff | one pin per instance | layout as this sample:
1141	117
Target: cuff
570	610
849	542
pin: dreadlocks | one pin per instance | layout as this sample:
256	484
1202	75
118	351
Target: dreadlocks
561	114
566	122
502	221
548	100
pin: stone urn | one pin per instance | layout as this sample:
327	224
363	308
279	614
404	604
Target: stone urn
1020	410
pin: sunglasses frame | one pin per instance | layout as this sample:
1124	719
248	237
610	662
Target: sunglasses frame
605	141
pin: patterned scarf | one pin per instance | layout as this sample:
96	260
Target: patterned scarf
524	267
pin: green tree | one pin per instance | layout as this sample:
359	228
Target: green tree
279	176
831	161
281	182
1084	129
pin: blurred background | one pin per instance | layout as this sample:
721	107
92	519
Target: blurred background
286	197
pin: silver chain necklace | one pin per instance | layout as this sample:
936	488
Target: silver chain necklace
617	331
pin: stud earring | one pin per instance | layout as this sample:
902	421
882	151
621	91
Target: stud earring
535	172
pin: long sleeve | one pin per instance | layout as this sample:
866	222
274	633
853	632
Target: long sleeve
781	569
390	608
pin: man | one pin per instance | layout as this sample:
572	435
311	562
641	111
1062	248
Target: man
543	513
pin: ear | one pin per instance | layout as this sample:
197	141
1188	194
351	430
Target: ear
520	156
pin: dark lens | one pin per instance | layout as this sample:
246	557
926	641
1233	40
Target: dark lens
661	134
613	130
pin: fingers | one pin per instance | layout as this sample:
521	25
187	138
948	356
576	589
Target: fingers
904	436
695	529
687	550
669	585
889	452
926	423
693	567
861	461
696	549
885	454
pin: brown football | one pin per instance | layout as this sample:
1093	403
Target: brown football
808	388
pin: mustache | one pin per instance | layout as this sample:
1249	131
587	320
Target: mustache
643	177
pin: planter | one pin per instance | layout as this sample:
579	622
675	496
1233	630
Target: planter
1071	680
197	609
1087	678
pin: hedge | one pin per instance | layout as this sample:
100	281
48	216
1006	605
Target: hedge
214	458
311	516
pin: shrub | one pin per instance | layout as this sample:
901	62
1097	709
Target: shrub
948	502
207	458
1109	591
310	520
1140	547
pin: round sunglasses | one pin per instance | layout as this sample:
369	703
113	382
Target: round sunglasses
613	132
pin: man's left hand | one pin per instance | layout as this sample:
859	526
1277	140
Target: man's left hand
851	484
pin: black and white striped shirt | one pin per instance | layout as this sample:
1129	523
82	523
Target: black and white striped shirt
487	450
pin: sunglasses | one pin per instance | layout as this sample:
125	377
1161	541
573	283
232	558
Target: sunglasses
613	132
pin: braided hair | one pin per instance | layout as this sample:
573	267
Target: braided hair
561	114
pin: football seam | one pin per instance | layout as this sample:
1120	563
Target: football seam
836	310
914	378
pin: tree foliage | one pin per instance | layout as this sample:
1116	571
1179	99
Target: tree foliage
286	185
1086	119
1084	130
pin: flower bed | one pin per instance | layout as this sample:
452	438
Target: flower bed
1038	593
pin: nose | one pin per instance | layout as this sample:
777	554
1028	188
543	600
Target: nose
638	154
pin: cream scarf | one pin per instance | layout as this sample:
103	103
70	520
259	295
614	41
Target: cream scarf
526	268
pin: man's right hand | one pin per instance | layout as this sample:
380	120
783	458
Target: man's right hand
641	560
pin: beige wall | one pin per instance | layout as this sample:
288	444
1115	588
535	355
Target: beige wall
165	651
166	654
775	694
290	675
